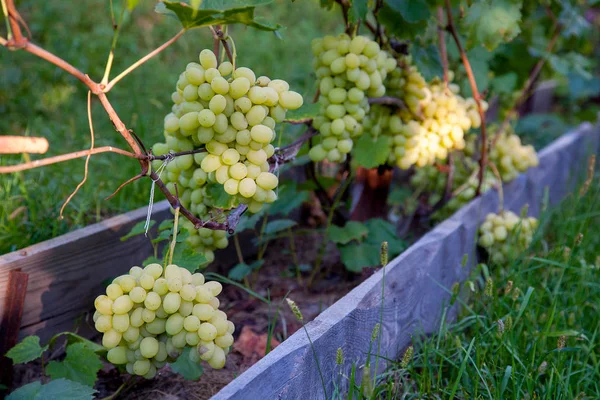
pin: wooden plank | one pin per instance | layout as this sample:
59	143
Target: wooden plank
10	321
417	285
67	273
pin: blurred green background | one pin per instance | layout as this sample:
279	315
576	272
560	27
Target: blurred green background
38	99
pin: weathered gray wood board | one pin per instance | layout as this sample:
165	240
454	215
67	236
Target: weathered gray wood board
66	273
417	285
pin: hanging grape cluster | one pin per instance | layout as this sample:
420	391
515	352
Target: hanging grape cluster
232	114
511	157
150	315
505	234
435	120
349	71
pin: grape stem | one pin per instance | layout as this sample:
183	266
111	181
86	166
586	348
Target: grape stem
220	35
448	187
442	40
476	96
388	101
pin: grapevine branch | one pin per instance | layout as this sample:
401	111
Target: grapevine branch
218	34
465	60
63	157
388	101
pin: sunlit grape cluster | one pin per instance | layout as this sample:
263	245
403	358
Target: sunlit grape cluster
511	157
150	315
464	184
435	122
349	71
505	235
232	114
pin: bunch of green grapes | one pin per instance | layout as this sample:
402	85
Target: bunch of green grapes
464	184
349	71
505	235
435	121
232	114
150	315
511	157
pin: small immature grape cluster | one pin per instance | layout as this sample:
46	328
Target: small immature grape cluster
150	315
349	71
435	122
464	183
232	114
511	157
505	234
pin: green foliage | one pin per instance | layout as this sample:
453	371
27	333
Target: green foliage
242	270
216	12
491	22
27	350
427	59
220	196
185	367
411	10
357	256
371	152
358	10
137	229
353	230
307	112
278	225
63	389
185	257
80	365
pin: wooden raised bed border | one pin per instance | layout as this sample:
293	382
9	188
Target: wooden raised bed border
417	285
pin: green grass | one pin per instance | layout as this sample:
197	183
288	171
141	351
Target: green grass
536	337
38	99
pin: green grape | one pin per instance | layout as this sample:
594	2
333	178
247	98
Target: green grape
255	115
171	302
137	295
220	85
247	187
208	59
122	305
226	68
117	355
230	156
113	291
231	186
207	332
217	104
238	171
104	323
174	324
191	323
217	361
246	73
112	338
211	163
261	134
267	180
152	301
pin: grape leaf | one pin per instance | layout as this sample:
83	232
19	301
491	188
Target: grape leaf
131	4
278	225
62	389
504	84
27	350
383	231
371	152
187	258
358	10
75	338
27	392
166	224
220	197
241	270
303	114
428	61
248	221
217	12
81	365
353	230
137	229
397	25
357	256
491	22
187	368
289	198
411	10
573	21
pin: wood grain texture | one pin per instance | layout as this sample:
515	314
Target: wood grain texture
10	321
417	286
67	273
